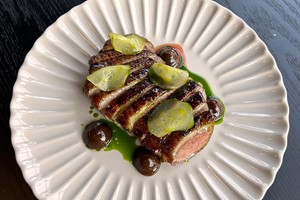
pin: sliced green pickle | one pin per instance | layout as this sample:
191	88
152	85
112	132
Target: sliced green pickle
128	45
167	77
171	115
110	78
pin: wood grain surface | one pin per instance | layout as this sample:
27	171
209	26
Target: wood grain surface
277	22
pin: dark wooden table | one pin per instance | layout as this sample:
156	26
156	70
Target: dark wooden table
277	22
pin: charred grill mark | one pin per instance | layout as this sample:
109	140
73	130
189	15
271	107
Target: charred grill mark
104	56
142	106
137	106
125	59
140	128
124	100
118	60
101	99
186	90
190	92
97	98
197	101
140	63
108	57
140	74
153	143
141	70
90	89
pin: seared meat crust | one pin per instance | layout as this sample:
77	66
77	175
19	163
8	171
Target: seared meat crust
130	106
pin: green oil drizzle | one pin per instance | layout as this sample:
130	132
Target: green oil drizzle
95	115
91	111
207	88
121	141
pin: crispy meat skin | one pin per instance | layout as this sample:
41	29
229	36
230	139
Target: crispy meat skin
126	98
130	106
122	59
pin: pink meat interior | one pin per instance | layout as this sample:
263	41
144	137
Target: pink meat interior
193	145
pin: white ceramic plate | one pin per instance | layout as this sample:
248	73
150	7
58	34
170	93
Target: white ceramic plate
48	107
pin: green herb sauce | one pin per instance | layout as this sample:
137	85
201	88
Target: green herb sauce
95	115
121	141
206	86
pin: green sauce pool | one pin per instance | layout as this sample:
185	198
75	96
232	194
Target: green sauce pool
121	141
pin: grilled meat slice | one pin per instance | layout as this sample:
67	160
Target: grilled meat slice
183	93
180	146
187	90
125	99
142	106
108	56
130	106
198	102
101	98
138	68
122	59
142	59
192	93
103	56
89	89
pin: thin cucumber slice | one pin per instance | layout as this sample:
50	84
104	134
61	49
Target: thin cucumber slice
171	115
128	45
167	77
110	78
